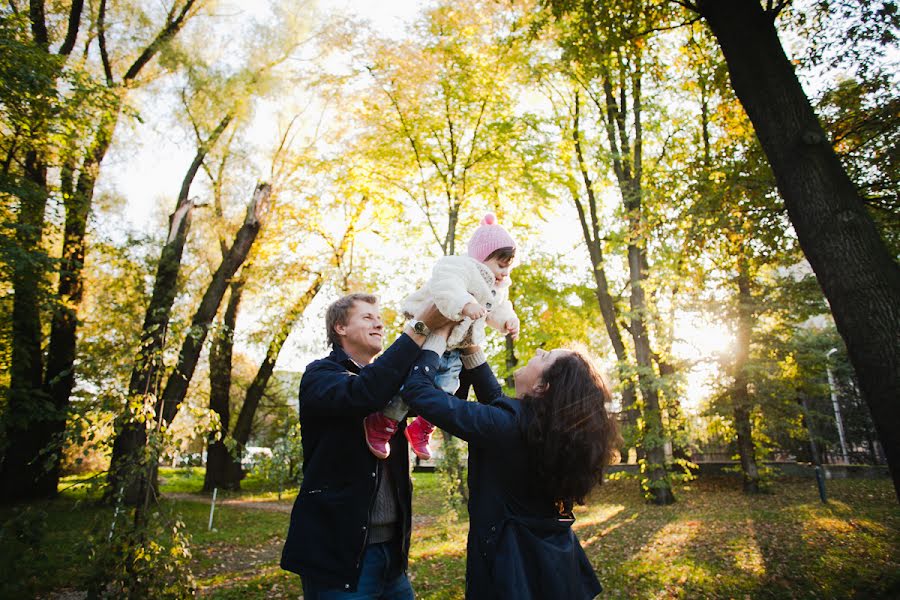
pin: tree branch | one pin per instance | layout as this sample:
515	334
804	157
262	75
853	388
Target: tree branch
687	4
72	31
101	37
38	23
167	33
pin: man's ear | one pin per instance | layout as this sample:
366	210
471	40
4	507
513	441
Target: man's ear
340	329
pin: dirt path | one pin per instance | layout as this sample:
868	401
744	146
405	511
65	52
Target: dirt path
283	506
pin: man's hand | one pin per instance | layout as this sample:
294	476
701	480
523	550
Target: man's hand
512	328
432	317
444	330
474	311
470	349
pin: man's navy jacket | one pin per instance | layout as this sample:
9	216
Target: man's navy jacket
330	519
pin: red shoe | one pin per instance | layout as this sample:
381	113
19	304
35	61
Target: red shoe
419	434
379	430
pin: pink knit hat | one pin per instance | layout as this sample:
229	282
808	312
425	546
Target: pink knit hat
489	237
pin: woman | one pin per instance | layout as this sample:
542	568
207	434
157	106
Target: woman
531	458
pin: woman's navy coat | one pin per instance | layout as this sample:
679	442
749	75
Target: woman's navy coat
518	546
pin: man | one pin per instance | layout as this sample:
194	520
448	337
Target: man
351	522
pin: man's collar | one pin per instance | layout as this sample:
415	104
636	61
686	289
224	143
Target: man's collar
340	356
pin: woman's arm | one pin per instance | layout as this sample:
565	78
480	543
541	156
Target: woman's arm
480	424
478	374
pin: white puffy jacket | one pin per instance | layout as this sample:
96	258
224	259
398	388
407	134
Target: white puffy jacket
456	281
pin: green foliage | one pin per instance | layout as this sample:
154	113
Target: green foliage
152	561
451	472
283	467
22	544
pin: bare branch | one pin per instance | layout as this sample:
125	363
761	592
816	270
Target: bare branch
687	4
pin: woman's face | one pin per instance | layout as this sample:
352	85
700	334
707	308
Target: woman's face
529	379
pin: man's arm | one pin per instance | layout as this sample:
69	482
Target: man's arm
329	389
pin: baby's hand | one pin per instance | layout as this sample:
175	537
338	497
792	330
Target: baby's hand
474	311
512	327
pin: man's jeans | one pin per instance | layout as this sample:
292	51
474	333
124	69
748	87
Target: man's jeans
373	582
447	378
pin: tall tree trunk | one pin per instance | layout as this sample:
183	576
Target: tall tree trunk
654	434
859	277
22	474
628	169
168	403
131	435
220	465
590	228
60	376
740	391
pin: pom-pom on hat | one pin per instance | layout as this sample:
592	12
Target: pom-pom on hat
489	237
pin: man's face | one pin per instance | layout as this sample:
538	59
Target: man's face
363	333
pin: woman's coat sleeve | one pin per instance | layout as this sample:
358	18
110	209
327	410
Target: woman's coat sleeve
479	424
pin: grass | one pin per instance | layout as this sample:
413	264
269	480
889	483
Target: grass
715	542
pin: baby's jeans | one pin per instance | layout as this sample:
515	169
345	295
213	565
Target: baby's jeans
447	378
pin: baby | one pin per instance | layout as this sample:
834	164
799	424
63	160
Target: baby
473	290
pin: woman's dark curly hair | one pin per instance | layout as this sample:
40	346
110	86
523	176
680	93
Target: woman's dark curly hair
571	437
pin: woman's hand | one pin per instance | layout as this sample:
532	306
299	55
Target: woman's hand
470	349
512	328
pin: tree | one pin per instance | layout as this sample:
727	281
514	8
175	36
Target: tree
117	68
214	99
610	60
859	276
128	470
839	238
443	130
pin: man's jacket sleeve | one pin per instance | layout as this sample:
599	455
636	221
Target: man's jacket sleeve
329	389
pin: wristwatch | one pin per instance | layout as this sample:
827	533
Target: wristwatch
419	327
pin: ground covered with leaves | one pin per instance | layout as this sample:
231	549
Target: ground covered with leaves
715	542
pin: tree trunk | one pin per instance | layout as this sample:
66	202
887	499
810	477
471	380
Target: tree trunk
858	276
132	436
22	477
511	362
60	376
168	403
591	231
628	168
258	387
740	392
180	378
654	433
220	465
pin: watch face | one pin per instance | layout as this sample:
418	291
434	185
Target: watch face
420	327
